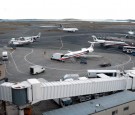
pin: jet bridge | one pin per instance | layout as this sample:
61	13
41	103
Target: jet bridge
35	90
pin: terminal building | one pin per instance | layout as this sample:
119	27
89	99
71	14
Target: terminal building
121	103
100	82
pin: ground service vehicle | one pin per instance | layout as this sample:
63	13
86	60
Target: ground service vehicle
105	64
57	56
4	55
128	49
63	101
36	69
83	61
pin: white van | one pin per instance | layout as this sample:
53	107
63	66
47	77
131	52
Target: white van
36	69
4	55
93	73
57	56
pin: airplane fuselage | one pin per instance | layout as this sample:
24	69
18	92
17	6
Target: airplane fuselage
131	32
19	41
109	43
70	29
77	53
23	40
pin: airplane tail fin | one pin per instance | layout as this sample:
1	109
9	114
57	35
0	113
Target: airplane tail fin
39	34
91	48
61	26
94	38
92	44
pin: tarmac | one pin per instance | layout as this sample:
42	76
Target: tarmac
53	40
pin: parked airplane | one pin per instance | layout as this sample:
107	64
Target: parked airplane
32	38
108	43
68	29
80	53
18	42
24	40
130	34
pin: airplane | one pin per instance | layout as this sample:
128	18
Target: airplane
130	34
18	42
108	43
23	40
68	29
32	38
77	54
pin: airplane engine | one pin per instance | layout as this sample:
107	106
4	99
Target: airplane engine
84	49
87	51
90	50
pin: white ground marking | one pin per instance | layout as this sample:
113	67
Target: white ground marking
120	65
61	44
6	69
25	58
76	70
15	63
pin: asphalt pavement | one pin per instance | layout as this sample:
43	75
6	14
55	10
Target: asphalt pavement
53	40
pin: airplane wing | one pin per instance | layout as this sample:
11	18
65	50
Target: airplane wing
69	51
91	56
107	44
116	43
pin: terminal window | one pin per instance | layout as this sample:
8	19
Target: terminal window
115	112
125	108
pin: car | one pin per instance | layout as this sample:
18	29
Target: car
83	61
105	64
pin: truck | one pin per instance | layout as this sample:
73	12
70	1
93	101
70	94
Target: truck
63	101
57	56
36	69
105	64
4	55
129	49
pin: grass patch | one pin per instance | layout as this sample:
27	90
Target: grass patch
15	24
6	29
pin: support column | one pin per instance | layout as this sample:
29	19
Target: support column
4	107
21	112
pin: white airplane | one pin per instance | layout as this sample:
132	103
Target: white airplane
108	43
80	53
23	40
68	29
32	38
130	34
18	42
